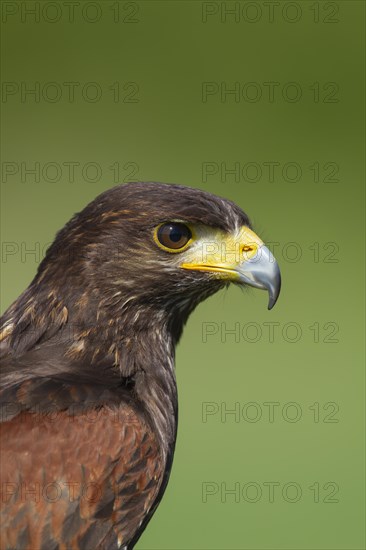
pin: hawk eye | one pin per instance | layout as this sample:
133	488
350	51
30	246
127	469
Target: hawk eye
173	236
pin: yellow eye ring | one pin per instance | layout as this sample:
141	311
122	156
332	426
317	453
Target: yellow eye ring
173	236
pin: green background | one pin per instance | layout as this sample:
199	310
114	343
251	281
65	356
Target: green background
168	132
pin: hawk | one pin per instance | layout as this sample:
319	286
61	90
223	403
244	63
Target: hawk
88	390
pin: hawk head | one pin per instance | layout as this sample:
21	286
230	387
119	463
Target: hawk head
139	258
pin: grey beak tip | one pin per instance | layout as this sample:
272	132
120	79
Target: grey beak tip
274	292
271	303
263	272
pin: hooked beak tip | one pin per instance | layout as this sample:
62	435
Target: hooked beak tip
263	272
273	297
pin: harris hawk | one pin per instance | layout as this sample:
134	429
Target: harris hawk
88	391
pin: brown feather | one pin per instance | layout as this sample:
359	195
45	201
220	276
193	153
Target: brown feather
77	470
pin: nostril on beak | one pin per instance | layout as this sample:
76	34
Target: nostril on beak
247	251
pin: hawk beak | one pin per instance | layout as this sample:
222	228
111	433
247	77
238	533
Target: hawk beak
262	271
254	263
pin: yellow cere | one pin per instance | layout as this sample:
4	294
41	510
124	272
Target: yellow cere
221	252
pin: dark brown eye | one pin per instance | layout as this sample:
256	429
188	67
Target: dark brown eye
173	235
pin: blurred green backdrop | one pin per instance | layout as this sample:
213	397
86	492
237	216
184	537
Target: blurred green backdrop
141	90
